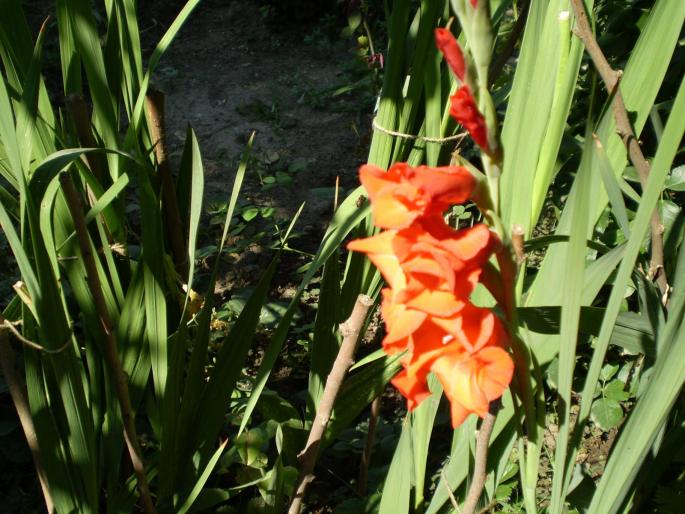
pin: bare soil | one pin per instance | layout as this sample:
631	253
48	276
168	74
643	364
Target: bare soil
244	66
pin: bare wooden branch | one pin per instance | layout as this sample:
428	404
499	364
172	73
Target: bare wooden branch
480	467
350	331
611	79
154	102
110	344
16	389
78	109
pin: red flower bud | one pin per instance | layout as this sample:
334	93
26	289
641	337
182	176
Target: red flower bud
465	111
449	47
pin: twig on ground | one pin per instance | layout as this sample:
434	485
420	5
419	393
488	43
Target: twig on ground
350	331
611	79
453	500
9	326
480	467
110	345
16	389
366	455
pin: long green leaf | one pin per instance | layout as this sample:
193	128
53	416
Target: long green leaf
397	488
570	320
666	151
640	82
185	444
158	52
190	500
325	341
423	418
195	193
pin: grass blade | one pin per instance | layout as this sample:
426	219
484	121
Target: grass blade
183	509
570	320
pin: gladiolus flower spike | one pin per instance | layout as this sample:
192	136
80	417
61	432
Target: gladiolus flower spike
464	108
431	270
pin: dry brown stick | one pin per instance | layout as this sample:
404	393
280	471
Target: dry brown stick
611	79
450	494
154	102
96	161
16	389
6	325
510	45
366	455
350	331
480	467
78	109
110	344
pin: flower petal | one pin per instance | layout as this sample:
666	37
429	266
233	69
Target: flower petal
445	184
373	179
400	321
473	381
404	193
393	212
437	303
474	243
496	372
414	389
474	327
379	250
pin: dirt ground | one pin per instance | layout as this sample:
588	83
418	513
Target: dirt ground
243	66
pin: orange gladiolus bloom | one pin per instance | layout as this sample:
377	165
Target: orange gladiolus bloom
431	270
471	378
472	381
402	194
